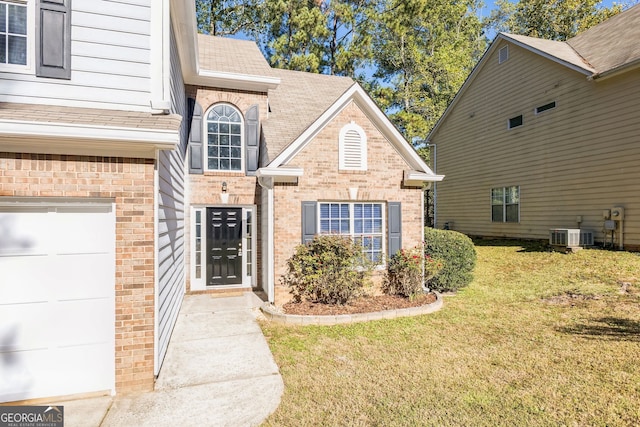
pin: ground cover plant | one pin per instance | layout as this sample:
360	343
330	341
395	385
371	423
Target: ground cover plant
537	339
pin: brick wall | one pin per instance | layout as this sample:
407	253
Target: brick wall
382	181
129	182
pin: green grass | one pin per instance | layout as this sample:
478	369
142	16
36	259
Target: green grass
538	339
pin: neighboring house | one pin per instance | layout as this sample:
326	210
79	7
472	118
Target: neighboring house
140	161
545	134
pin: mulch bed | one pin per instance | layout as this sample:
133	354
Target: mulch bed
360	305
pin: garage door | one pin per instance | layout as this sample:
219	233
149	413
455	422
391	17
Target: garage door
57	287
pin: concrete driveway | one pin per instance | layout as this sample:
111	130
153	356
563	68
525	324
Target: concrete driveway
218	371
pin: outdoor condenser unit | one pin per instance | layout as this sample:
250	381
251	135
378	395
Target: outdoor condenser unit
570	237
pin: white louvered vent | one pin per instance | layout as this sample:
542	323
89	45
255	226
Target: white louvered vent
503	54
352	148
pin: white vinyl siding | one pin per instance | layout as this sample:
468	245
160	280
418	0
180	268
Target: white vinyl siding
352	148
110	60
577	159
171	223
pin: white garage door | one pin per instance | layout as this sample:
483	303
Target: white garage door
57	287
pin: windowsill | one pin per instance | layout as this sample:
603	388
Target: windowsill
224	173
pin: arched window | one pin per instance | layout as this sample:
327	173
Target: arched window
353	148
224	150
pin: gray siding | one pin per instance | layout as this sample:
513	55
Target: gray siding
110	60
575	160
171	220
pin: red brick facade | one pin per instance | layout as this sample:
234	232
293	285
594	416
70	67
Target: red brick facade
130	184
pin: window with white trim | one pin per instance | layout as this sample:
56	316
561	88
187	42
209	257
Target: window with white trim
505	204
352	148
224	130
13	33
363	222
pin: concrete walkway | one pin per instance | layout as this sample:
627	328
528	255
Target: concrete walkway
218	371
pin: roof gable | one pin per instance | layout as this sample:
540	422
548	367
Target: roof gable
357	94
587	53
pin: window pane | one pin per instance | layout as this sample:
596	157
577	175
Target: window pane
3	49
377	226
236	165
358	226
368	210
218	110
3	18
324	210
512	213
512	195
344	226
212	127
324	226
224	140
497	196
212	151
345	211
17	50
235	129
334	211
225	165
224	152
214	164
17	19
235	141
224	128
357	210
496	213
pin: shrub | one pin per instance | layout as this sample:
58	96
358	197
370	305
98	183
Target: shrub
326	270
457	252
404	275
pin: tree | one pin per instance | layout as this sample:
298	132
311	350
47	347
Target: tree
228	17
553	20
422	53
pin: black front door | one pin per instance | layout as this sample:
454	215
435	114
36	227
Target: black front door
224	246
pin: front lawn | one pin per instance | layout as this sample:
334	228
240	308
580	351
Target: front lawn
538	339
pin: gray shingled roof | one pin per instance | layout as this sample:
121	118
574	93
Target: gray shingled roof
300	99
612	44
232	56
88	116
560	50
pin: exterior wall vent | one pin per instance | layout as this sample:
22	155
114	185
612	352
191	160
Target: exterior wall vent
570	238
503	54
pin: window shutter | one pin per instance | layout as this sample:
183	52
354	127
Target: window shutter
394	219
53	39
252	138
309	221
195	138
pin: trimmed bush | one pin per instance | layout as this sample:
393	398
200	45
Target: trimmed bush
407	270
326	270
458	254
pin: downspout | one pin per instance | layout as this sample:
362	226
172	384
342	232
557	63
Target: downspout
156	282
268	276
435	193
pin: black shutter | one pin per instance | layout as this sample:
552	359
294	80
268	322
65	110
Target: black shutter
53	39
195	138
394	219
309	221
252	138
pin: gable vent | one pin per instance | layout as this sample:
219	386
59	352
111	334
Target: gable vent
503	54
353	148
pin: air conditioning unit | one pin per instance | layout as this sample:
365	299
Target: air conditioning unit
570	237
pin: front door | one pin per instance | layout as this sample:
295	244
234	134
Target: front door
224	246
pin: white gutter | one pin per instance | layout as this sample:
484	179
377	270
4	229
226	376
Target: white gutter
416	178
282	174
167	139
236	81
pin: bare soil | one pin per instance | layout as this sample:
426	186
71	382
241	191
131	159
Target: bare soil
361	305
